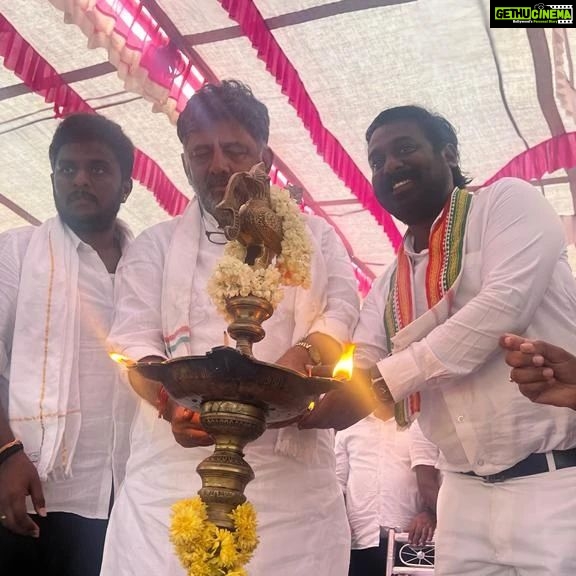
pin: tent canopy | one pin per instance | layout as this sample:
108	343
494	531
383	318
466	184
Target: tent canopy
324	69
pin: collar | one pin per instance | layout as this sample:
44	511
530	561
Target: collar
373	418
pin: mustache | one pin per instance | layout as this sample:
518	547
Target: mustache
81	195
392	179
217	181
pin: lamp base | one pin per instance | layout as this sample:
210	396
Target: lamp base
225	473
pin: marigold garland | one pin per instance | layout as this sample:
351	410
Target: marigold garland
233	277
206	550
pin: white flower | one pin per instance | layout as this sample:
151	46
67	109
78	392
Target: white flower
233	277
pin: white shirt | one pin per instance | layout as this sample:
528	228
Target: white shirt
516	278
101	454
374	467
301	515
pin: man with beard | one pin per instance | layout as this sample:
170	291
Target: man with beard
64	416
470	268
163	310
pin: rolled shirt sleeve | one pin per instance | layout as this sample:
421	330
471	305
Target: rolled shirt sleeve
422	451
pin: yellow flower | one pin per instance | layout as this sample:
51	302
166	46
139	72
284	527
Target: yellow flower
206	550
188	517
227	554
244	517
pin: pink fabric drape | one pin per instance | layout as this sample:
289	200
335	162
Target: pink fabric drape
20	57
559	152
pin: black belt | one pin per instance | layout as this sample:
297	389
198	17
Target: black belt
534	464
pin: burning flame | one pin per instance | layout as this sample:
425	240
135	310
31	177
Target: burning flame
345	366
120	359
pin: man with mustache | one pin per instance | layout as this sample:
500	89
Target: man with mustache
163	310
64	417
472	267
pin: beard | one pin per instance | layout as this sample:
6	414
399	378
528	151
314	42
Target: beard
99	222
211	192
420	204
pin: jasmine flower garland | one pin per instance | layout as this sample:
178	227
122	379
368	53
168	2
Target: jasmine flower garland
233	277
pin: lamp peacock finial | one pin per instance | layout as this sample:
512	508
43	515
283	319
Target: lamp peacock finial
245	214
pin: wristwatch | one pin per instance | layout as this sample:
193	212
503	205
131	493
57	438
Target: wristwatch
379	387
312	351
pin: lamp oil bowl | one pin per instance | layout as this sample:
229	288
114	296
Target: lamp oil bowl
237	396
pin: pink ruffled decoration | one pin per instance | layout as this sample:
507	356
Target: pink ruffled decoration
151	176
559	152
32	69
364	282
147	62
41	78
254	27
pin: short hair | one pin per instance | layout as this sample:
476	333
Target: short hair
436	128
94	128
230	100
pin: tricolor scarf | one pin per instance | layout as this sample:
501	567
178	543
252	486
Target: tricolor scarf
445	256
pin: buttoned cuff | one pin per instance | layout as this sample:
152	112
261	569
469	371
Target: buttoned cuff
408	371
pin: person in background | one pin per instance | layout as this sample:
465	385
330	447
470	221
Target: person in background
389	480
545	373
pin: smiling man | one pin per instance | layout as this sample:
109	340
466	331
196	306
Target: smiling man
64	418
470	268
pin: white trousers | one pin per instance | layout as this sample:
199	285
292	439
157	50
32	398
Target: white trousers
521	527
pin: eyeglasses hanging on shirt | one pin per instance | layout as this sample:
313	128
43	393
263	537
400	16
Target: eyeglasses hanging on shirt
216	237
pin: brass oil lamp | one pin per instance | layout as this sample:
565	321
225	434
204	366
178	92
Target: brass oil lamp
237	395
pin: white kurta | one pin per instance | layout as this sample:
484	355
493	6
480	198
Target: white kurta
374	466
302	520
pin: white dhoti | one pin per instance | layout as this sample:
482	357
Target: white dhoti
301	517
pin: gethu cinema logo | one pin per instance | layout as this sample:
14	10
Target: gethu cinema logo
539	12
